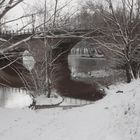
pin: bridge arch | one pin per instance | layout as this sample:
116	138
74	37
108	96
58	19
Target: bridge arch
61	74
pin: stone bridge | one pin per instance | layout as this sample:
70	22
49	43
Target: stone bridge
14	74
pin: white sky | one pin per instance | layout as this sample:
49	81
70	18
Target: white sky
21	9
25	7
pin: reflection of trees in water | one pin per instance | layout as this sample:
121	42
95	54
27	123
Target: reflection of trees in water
85	65
14	97
97	70
2	98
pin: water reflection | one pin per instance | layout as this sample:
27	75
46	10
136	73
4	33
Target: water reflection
14	98
85	64
94	69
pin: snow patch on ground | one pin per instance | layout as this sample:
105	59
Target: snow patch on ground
115	117
43	100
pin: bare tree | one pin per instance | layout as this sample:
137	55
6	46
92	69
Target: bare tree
6	6
118	32
51	67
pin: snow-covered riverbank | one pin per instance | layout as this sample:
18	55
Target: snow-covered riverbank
115	117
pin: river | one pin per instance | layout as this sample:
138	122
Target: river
83	68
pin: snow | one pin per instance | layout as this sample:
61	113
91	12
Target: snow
43	100
115	117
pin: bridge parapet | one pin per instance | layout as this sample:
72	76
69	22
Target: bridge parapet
56	31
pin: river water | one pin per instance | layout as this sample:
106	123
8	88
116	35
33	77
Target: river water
95	69
14	98
83	68
87	64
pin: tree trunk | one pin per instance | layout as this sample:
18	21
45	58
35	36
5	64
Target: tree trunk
129	73
135	69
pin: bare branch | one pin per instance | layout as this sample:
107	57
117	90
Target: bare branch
11	4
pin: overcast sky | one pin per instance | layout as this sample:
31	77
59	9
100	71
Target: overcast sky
26	5
21	9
